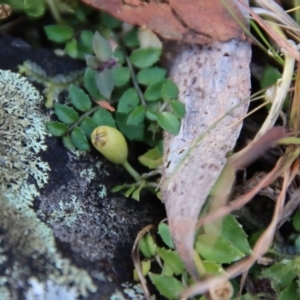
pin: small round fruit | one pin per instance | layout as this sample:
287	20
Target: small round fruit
111	143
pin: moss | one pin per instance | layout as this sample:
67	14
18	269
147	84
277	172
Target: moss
26	243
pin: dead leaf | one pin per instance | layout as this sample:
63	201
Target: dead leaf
106	105
200	22
214	82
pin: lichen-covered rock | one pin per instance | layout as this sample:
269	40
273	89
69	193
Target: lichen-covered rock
63	235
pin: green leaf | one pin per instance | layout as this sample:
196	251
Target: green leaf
92	62
118	188
153	91
79	139
270	76
283	273
129	191
169	90
109	21
105	82
86	37
133	133
178	108
56	128
291	292
168	122
137	115
101	47
88	125
65	113
296	220
167	286
145	57
118	54
59	33
145	267
151	115
151	75
90	83
128	101
217	249
80	100
136	194
164	232
68	142
172	259
232	231
33	8
121	76
103	117
71	48
131	38
147	246
151	159
212	268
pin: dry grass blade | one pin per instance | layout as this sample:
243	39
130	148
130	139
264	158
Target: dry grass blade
242	200
135	254
284	44
260	248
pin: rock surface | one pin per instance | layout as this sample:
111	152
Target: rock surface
73	239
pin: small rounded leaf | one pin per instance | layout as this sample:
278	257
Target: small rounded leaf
172	259
59	33
132	132
151	75
153	91
65	113
68	142
71	48
168	122
296	220
169	90
103	117
121	76
56	128
148	38
79	139
79	98
89	79
178	108
105	82
128	101
131	38
137	115
109	21
164	232
101	47
167	286
145	57
88	125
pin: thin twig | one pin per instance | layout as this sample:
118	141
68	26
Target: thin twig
134	81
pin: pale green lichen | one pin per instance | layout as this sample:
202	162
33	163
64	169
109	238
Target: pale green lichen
49	291
53	85
22	174
102	192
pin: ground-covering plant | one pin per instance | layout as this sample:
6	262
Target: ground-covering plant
125	91
124	88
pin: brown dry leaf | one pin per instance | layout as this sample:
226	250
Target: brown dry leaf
214	84
200	22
